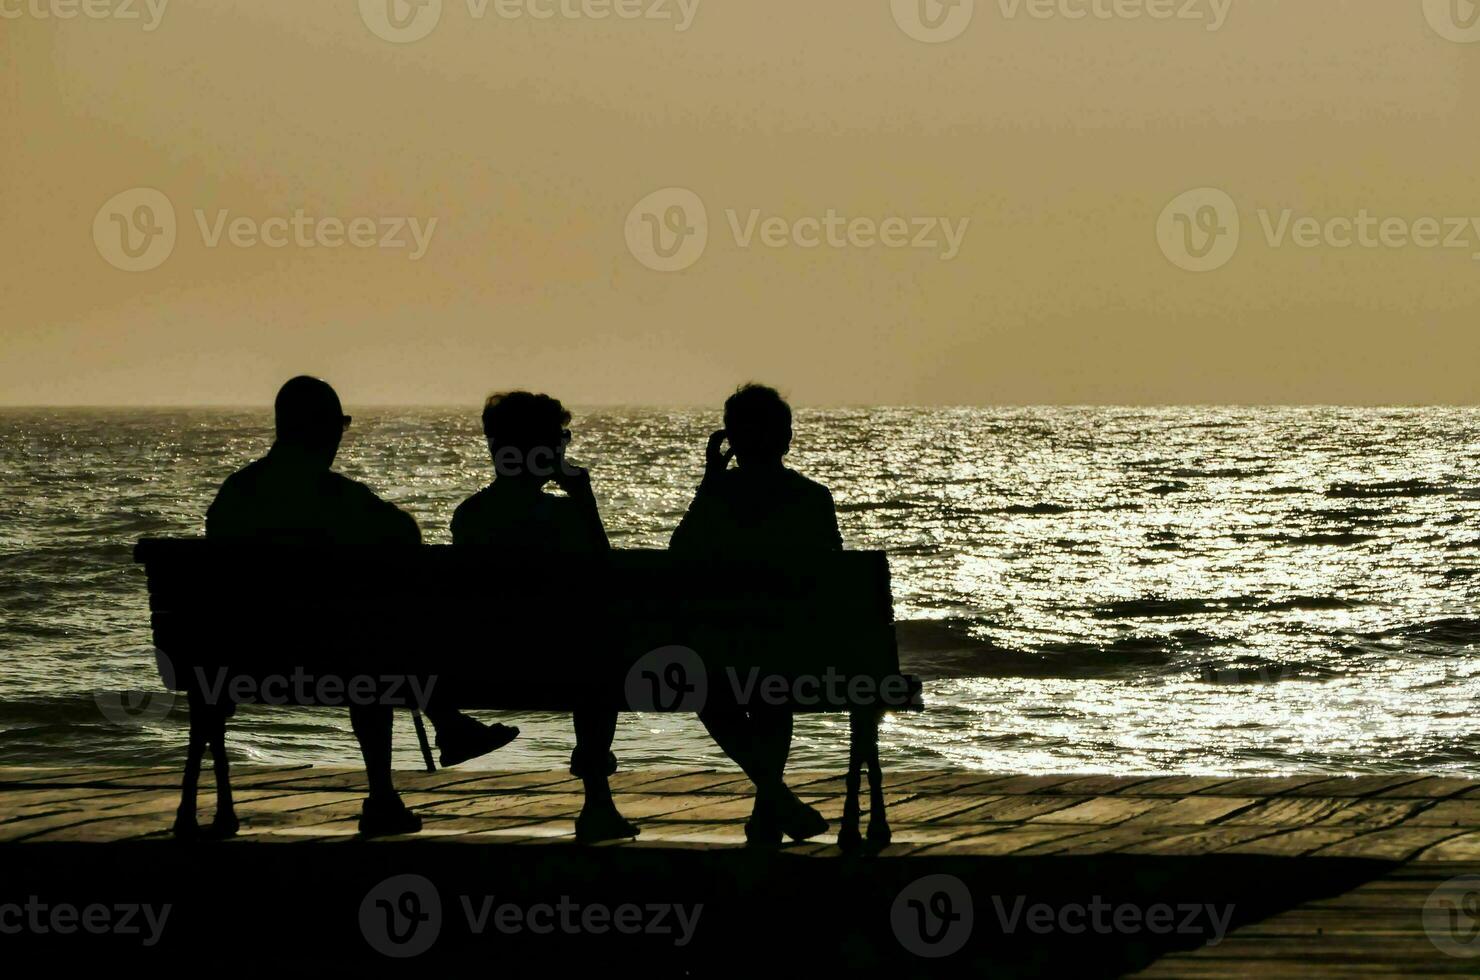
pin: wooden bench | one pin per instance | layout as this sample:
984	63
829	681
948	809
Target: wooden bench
239	623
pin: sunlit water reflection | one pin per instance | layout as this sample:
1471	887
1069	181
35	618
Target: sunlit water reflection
1182	590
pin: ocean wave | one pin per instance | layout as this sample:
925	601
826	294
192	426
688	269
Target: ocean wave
1390	488
1450	634
947	649
1324	539
1042	509
1158	607
1259	670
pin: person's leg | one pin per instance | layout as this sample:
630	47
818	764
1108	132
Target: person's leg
372	727
594	763
779	810
461	737
773	728
383	812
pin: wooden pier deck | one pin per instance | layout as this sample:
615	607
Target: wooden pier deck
1323	875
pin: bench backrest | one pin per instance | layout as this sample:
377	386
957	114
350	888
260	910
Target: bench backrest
814	633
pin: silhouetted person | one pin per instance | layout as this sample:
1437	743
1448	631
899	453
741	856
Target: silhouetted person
527	436
761	509
292	496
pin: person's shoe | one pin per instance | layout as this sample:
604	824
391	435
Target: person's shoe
186	827
472	740
386	818
223	826
599	823
762	830
798	820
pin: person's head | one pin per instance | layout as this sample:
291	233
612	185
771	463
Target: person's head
526	433
309	419
758	422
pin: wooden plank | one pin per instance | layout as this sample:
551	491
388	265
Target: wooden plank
1261	785
1104	810
1292	843
1012	809
1192	810
1464	847
1448	813
1202	841
999	843
1177	785
1290	811
1432	788
1356	786
1098	785
1394	844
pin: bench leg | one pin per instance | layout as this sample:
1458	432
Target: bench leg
421	736
879	834
849	839
225	823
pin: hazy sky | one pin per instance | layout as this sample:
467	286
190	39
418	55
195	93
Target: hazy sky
1050	144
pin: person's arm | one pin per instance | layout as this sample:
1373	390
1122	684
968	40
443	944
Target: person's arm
695	532
576	482
221	516
401	527
832	536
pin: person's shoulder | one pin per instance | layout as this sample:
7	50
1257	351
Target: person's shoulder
242	481
472	505
247	474
470	514
805	486
352	489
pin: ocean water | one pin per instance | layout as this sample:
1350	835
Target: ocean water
1099	590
